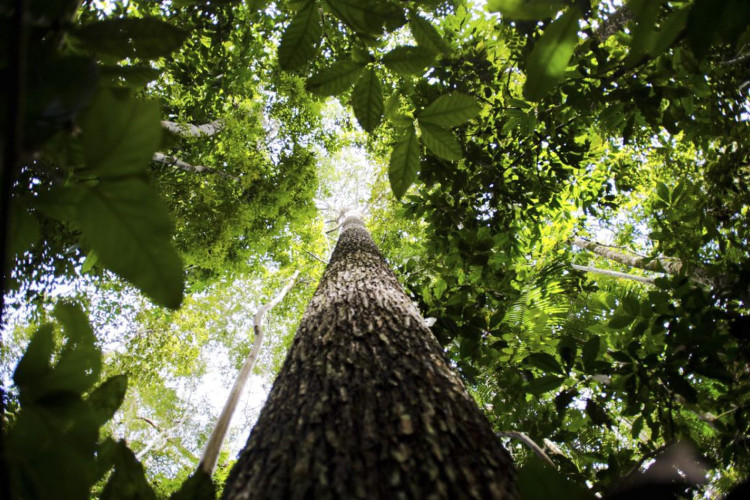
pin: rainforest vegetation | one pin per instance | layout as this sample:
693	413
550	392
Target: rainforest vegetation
562	187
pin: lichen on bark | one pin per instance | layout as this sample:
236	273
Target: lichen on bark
365	405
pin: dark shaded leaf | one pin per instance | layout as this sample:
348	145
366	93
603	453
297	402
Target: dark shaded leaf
128	481
301	37
544	384
129	37
408	60
404	162
197	487
440	141
543	361
367	100
537	481
334	79
107	398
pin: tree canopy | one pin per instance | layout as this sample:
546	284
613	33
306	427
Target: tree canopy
563	185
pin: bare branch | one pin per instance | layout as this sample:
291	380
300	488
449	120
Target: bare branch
538	451
176	162
614	274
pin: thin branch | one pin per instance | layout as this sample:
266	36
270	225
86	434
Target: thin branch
315	257
614	274
174	161
215	440
538	451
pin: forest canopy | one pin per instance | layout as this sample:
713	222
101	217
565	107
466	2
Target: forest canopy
561	186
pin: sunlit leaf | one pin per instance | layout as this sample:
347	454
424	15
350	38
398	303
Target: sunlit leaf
426	35
450	110
526	10
549	58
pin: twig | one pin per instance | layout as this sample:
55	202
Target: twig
538	451
315	257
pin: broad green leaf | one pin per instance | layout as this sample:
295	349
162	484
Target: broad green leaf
80	362
590	352
197	487
334	79
620	321
538	481
450	110
301	37
440	141
129	229
408	60
671	29
129	37
135	76
544	384
427	36
543	361
404	163
631	305
107	398
128	479
366	17
439	287
367	100
119	135
526	10
35	363
549	58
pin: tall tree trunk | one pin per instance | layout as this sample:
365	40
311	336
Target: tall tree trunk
366	405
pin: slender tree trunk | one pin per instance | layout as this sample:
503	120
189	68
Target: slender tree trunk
365	405
216	439
190	130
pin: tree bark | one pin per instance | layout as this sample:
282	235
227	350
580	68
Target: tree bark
190	130
187	167
365	405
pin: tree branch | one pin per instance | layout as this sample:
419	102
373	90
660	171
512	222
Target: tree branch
614	274
188	130
538	451
215	440
176	162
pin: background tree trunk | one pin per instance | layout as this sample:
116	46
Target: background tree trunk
365	405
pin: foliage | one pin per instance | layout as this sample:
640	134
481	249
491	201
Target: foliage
502	133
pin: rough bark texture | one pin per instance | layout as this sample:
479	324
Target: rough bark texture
365	405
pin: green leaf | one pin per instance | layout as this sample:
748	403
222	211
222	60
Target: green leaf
590	352
24	230
408	60
135	76
526	10
129	37
197	487
367	100
450	110
440	141
631	305
301	37
334	79
671	29
404	162
120	135
80	361
681	386
367	17
35	363
544	384
107	398
620	321
427	36
439	287
597	414
128	227
543	361
538	481
549	58
128	481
